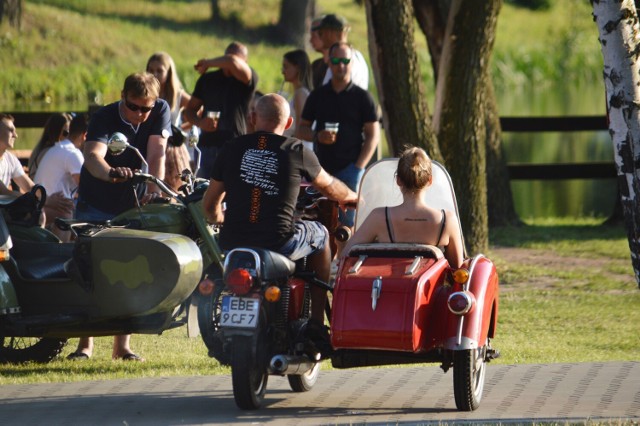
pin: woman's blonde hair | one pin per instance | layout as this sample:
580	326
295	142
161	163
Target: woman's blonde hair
414	169
172	87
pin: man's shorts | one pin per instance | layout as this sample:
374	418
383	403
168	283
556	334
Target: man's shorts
308	237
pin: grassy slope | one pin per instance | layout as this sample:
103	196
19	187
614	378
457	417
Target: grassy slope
67	48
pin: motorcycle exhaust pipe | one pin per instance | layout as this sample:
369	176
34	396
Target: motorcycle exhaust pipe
291	364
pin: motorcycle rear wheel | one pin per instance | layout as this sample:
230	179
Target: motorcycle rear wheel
469	367
304	382
209	311
249	376
16	350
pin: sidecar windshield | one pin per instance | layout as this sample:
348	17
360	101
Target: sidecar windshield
378	188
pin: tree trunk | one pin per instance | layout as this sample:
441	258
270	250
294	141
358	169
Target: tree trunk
397	73
500	206
431	16
295	21
432	21
11	11
459	117
617	23
215	11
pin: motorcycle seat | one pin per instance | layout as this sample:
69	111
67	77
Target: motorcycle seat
275	266
41	260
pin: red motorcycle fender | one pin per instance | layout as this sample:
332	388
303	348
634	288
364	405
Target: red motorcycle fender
471	330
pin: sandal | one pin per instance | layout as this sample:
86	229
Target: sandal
131	357
77	355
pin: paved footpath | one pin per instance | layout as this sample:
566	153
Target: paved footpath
559	393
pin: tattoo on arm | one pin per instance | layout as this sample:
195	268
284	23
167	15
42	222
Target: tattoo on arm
410	219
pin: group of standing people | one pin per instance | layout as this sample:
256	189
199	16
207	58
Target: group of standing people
247	141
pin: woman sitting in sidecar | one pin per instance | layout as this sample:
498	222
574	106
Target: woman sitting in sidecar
413	221
397	298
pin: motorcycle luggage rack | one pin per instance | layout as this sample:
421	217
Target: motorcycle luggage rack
396	250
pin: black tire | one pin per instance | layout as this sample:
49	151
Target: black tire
17	350
248	374
209	310
469	367
304	382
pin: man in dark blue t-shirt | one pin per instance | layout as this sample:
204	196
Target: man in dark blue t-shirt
259	177
146	122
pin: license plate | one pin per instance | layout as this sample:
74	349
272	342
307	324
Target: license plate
239	312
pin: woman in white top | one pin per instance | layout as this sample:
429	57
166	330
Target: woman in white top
178	158
296	70
413	221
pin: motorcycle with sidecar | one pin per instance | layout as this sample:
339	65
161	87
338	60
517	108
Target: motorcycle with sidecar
391	304
108	281
51	291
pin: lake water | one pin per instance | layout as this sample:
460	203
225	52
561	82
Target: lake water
572	198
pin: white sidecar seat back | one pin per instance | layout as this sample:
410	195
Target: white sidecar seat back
378	188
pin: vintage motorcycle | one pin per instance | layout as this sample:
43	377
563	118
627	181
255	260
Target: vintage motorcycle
391	304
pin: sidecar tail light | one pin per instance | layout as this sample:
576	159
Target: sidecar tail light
4	254
461	302
272	293
239	281
206	287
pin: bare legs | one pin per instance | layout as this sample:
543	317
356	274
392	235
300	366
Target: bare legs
121	347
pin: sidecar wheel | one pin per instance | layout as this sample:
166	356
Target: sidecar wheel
469	369
209	310
248	374
16	350
304	382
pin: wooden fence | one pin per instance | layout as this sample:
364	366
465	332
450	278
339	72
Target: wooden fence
551	171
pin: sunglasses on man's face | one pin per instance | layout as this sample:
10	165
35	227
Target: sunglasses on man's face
336	61
136	108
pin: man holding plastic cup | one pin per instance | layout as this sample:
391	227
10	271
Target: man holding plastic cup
347	131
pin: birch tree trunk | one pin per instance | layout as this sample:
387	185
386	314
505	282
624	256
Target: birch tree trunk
617	23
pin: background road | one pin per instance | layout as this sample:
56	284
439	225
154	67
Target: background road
406	395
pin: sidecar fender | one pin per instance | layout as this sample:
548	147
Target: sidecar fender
471	330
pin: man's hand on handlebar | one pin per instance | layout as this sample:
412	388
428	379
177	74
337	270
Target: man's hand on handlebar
120	174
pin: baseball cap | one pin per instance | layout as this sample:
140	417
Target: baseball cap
334	22
315	24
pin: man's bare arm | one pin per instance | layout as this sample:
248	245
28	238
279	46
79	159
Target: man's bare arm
334	188
371	140
303	131
212	202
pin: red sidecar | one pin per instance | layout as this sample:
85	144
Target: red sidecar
402	303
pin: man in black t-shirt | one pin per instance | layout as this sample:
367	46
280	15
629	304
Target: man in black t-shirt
259	177
229	91
344	154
